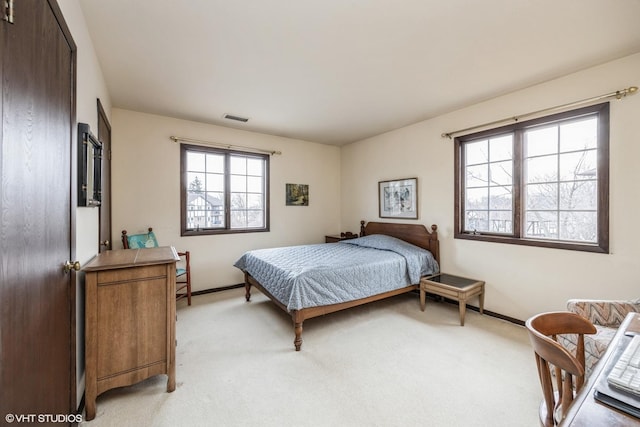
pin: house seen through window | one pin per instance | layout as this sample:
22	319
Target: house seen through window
223	191
542	182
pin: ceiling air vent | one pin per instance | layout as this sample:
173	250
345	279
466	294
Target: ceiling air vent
236	118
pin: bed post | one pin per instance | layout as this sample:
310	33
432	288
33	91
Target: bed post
434	245
297	327
247	287
361	228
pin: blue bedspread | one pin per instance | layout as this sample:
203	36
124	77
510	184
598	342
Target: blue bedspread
315	275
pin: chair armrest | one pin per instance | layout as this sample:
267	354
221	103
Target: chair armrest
609	313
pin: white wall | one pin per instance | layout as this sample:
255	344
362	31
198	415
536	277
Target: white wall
343	181
146	191
90	86
520	280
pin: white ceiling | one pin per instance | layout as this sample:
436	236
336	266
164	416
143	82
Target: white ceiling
337	71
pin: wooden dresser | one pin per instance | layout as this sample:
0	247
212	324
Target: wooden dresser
130	319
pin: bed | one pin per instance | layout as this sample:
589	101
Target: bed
307	281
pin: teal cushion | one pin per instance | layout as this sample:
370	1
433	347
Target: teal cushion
141	241
180	271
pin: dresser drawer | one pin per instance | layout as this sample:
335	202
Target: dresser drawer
133	273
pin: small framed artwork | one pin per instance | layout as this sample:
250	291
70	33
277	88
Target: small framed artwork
297	194
398	198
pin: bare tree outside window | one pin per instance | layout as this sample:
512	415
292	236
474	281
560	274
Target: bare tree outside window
561	181
489	185
537	182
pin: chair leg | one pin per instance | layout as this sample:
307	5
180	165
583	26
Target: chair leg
188	262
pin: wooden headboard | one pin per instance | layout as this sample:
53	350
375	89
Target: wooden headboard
416	234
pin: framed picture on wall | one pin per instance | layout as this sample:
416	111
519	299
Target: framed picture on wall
398	198
297	194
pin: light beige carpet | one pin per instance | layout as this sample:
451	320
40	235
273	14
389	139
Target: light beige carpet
382	364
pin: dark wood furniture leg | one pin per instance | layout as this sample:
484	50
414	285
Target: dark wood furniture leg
297	327
298	316
247	288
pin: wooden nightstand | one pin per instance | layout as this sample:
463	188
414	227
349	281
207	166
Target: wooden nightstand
457	288
343	236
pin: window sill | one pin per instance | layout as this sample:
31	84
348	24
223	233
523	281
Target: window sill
583	247
209	232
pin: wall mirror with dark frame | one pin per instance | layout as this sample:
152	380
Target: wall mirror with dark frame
89	167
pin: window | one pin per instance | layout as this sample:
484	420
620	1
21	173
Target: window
223	191
543	182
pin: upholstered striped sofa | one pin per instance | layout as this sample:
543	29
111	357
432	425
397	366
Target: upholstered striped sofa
606	315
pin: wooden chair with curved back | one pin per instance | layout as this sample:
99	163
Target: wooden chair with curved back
183	270
568	369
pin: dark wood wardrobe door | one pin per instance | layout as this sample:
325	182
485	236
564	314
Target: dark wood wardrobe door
104	135
37	212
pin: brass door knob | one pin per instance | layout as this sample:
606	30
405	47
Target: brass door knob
105	243
68	266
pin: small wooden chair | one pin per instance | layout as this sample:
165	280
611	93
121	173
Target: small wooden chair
550	355
183	272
